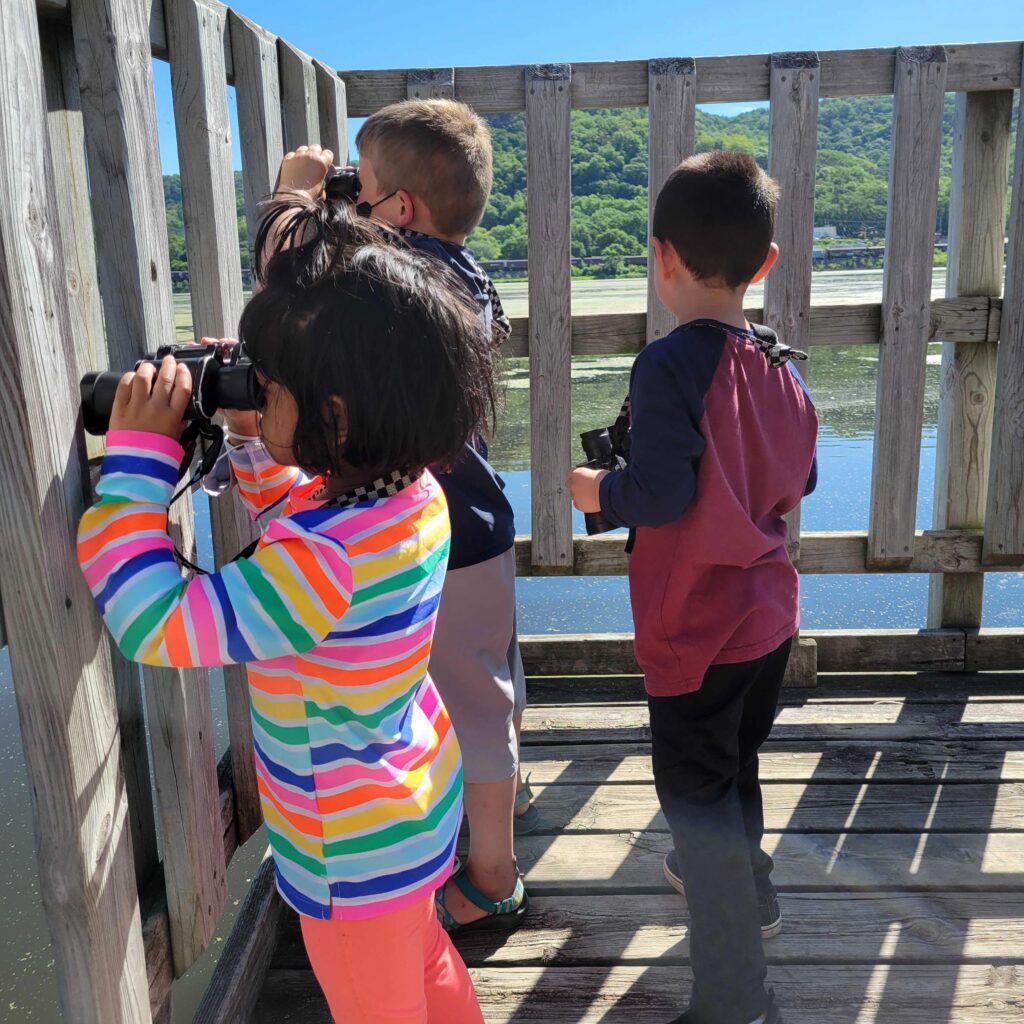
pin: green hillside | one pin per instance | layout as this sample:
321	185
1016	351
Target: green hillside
609	176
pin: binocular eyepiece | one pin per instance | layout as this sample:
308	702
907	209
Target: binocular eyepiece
222	378
601	453
342	184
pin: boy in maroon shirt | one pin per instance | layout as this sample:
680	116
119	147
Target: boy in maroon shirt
723	437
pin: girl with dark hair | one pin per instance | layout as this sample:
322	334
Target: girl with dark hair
372	368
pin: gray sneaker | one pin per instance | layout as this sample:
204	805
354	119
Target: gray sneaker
768	906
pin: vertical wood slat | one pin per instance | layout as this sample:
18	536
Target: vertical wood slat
430	84
298	97
977	217
1004	515
548	181
792	160
71	194
196	31
672	125
919	96
333	112
119	111
59	657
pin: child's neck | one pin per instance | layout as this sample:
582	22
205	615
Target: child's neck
699	302
426	227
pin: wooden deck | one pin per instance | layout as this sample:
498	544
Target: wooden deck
895	815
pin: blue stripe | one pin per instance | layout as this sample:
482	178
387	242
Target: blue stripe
303	904
392	623
237	647
371	754
385	885
282	774
119	577
139	465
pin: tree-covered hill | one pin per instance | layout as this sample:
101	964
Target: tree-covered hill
609	176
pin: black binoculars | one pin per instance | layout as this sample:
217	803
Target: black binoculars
603	451
222	378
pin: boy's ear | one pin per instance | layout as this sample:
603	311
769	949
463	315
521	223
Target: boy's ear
769	262
406	208
666	259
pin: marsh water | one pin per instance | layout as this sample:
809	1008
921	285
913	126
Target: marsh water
842	381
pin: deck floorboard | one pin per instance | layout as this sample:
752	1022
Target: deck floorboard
895	822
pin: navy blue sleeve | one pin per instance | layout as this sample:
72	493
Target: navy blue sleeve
667	405
812	480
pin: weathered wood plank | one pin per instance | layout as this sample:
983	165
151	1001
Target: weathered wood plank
993	649
547	194
923	760
877	721
430	83
258	98
59	656
965	320
298	97
906	294
333	112
844	551
564	931
235	985
981	149
196	33
743	78
672	92
1004	516
799	807
903	993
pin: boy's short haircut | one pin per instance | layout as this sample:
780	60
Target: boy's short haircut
717	210
437	149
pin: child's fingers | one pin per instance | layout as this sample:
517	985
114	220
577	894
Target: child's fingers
165	378
182	390
327	157
123	395
142	384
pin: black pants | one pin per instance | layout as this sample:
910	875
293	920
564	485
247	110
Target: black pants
705	748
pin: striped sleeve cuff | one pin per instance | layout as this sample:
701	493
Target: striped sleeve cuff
140	466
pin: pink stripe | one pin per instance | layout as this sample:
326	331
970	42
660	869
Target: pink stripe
143	439
390	650
345	911
109	558
335	778
296	801
200	623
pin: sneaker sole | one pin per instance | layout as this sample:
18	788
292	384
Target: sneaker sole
768	931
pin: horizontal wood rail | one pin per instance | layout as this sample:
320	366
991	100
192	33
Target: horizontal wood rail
825	553
964	320
839	650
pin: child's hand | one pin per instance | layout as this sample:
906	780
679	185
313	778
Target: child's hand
305	169
240	423
153	401
585	487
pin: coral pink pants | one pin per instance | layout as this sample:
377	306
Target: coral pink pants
399	968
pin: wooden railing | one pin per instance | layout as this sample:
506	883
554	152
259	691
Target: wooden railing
80	161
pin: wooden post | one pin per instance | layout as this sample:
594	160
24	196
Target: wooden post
1004	516
672	120
333	112
195	39
430	83
919	96
298	96
131	236
977	217
548	181
59	655
258	98
792	160
71	193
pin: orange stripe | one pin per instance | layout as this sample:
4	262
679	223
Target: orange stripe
364	676
176	638
303	823
325	587
137	522
387	538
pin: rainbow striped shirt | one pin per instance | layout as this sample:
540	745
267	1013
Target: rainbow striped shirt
359	770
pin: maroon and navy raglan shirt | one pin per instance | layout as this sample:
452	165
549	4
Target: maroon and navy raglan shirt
722	446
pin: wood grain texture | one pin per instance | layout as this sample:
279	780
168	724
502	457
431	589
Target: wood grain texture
841	551
196	32
332	111
59	655
547	194
298	97
258	98
967	319
235	985
431	84
994	649
731	79
920	86
1004	516
981	149
672	93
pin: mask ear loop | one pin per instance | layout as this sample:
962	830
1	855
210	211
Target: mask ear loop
364	209
214	436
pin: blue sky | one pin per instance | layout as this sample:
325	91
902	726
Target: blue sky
446	33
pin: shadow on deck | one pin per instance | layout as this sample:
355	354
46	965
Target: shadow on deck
895	814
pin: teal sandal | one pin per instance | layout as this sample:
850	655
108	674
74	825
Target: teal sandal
502	915
527	822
